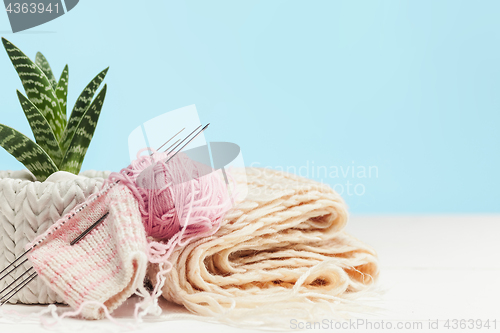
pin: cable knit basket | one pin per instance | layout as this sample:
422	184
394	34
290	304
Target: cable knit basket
28	208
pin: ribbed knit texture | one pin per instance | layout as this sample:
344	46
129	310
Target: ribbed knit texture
27	209
107	265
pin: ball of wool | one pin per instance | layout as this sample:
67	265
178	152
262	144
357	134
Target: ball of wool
183	198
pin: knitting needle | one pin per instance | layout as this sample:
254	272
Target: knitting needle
185	138
21	286
89	229
172	144
20	276
171	139
13	263
194	137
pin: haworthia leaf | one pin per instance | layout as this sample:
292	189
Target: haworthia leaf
34	158
73	159
41	129
43	64
62	91
81	106
38	87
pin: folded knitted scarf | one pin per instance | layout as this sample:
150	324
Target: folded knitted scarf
105	267
282	251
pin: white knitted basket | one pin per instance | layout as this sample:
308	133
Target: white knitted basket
27	209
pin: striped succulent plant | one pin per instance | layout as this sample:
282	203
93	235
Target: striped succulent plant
61	144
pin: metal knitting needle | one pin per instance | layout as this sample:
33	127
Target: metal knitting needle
172	144
185	139
21	286
17	279
189	141
13	263
171	139
89	229
194	137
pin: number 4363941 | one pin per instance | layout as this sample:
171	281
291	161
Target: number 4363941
470	324
32	8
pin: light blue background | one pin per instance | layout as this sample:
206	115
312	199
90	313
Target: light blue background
412	88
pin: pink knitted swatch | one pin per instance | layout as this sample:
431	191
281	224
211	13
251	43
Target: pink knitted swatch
107	265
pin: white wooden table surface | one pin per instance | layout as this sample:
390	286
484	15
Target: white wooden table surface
432	268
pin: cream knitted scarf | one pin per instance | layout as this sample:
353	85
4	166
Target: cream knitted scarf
280	252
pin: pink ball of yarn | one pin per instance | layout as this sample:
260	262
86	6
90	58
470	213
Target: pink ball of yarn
181	199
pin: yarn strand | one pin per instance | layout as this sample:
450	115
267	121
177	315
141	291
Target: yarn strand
179	202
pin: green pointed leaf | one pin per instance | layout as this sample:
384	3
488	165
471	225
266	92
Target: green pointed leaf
72	161
41	129
62	92
38	88
27	152
43	64
81	106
